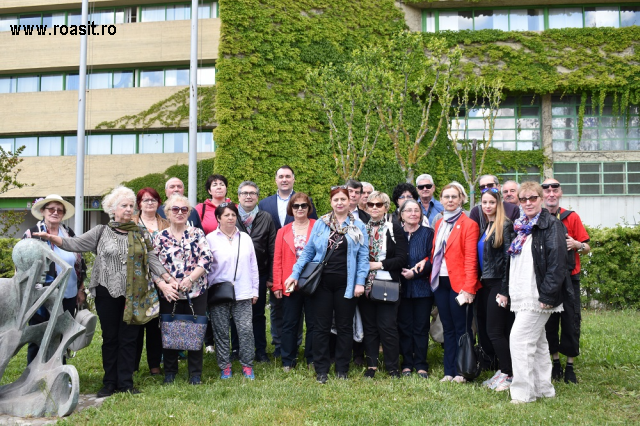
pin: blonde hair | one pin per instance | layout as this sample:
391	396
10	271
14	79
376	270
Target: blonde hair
171	201
377	195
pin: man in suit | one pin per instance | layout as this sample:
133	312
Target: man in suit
355	194
276	205
175	186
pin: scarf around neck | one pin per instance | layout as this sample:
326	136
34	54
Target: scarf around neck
248	217
351	229
448	221
523	227
376	238
141	300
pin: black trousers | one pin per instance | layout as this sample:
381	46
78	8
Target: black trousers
292	308
567	342
483	300
498	325
380	325
194	358
329	300
118	341
68	305
154	344
413	326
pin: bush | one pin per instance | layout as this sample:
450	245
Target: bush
6	262
611	272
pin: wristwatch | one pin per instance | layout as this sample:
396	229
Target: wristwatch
582	247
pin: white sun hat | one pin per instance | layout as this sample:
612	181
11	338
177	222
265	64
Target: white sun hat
39	204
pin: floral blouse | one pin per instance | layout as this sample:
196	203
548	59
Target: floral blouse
299	241
181	258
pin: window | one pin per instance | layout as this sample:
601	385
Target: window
176	142
599	178
51	19
6	144
205	142
28	84
565	18
70	145
456	21
530	173
152	13
98	144
8	85
176	77
206	75
122	79
30	19
152	78
601	17
628	16
73	82
526	20
123	144
30	144
101	80
7	21
50	83
103	17
74	18
151	143
49	145
178	12
606	132
517	125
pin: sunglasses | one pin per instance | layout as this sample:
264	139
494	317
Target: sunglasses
301	206
176	210
550	185
494	190
377	205
489	185
425	186
53	210
533	199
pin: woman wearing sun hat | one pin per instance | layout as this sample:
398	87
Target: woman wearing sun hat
50	212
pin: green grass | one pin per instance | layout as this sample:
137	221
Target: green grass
608	392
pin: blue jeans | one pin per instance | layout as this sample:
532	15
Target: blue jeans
452	316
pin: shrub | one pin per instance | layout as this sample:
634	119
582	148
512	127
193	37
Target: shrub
6	263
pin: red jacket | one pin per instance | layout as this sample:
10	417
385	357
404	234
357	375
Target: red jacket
461	255
284	256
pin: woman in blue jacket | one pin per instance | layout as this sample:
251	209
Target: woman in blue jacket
343	280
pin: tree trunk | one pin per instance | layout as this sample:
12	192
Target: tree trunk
410	174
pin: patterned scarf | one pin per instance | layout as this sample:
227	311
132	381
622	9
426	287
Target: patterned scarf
141	301
444	231
523	227
375	243
247	218
351	230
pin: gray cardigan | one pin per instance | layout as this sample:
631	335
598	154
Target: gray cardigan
110	248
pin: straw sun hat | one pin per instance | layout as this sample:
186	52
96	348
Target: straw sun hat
36	209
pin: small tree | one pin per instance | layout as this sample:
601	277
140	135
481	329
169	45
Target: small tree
345	93
9	170
477	98
413	76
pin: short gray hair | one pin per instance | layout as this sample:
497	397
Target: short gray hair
248	183
166	184
423	177
495	178
368	184
511	181
111	200
172	200
406	204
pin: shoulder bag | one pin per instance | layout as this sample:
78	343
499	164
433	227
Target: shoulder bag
468	362
183	332
224	292
385	291
312	273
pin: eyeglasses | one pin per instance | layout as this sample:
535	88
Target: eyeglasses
176	209
405	197
426	185
494	190
550	185
53	210
450	197
377	205
149	201
248	194
301	206
533	199
489	185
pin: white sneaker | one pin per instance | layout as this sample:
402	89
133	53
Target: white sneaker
499	381
506	384
490	381
209	349
446	379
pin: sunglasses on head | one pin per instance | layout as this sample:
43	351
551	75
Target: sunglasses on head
533	199
426	185
494	190
550	185
378	205
489	185
339	187
301	206
176	210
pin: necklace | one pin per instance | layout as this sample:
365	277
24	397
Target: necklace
115	240
230	238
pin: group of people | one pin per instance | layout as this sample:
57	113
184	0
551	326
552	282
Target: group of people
510	261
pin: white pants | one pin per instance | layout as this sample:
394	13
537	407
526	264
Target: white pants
530	357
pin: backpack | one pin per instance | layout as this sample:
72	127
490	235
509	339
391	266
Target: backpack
571	258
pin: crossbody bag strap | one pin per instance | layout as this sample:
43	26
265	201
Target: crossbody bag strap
326	258
237	259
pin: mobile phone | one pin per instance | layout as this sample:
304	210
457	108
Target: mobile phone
461	299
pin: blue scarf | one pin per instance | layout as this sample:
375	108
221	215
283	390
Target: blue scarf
523	227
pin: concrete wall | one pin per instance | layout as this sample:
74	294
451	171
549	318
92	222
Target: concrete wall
605	211
102	172
443	4
136	44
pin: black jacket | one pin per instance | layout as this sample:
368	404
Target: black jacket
495	261
396	257
549	249
263	234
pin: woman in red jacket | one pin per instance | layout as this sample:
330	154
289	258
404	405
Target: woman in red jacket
454	277
290	242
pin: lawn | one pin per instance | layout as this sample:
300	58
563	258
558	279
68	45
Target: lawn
608	392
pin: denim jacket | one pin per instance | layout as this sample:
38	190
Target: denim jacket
357	255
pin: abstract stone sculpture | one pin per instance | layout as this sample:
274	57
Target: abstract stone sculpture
46	387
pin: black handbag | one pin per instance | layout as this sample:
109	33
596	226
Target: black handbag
468	362
310	276
224	292
385	291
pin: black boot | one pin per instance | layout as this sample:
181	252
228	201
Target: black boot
570	375
556	372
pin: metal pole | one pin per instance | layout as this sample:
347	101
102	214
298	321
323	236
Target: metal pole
193	107
82	93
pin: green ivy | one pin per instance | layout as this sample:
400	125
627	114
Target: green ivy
7	268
